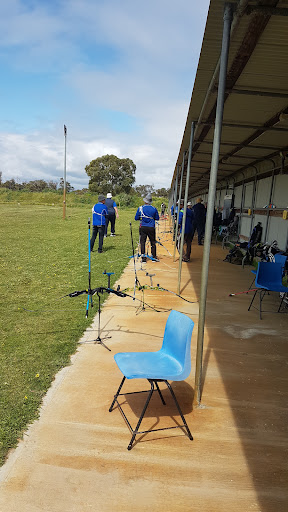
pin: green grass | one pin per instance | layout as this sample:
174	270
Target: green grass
76	198
44	257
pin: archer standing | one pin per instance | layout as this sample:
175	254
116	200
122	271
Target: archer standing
199	219
100	212
147	214
112	214
189	227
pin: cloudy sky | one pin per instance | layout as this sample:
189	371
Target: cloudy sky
118	73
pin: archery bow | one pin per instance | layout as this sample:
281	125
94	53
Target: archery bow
160	288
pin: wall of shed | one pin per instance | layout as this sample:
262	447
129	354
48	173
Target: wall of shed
273	218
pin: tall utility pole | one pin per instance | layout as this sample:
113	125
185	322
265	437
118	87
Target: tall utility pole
64	188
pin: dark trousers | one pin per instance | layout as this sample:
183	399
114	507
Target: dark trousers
200	226
96	230
111	217
145	231
188	242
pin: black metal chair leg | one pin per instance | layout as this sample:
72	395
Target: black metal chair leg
116	396
262	294
280	305
179	410
129	447
160	394
252	299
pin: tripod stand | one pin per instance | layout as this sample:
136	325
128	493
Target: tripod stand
99	340
89	298
137	283
90	294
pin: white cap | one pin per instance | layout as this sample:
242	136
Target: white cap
109	195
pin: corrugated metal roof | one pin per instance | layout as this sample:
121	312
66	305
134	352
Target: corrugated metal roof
256	92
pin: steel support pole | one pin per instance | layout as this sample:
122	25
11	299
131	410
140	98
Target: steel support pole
174	202
185	204
242	201
270	201
227	20
171	199
178	209
253	199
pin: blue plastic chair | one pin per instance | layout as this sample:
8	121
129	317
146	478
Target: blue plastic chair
279	258
268	279
171	362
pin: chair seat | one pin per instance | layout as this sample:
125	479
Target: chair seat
149	365
273	287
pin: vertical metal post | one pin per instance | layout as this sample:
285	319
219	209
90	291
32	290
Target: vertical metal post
242	203
174	202
270	201
178	209
185	203
253	199
228	14
220	192
64	189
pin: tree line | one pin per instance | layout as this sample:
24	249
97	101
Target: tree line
36	185
107	173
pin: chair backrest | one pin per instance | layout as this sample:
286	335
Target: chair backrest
280	258
268	274
177	341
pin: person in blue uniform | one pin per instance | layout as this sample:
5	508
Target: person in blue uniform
112	214
189	227
147	214
100	213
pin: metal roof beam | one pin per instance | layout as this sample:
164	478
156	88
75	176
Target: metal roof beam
254	31
250	92
255	162
266	9
223	163
246	157
269	124
250	126
250	146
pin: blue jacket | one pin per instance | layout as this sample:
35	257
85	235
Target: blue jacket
99	211
147	214
189	223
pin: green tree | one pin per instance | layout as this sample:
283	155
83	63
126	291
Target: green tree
109	173
52	185
36	185
69	187
11	184
143	190
162	192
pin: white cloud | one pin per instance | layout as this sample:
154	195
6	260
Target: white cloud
33	157
97	57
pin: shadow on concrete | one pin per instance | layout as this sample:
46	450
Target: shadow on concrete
157	416
251	355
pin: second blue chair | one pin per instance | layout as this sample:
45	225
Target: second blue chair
268	279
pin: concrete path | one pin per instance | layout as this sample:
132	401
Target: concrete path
75	458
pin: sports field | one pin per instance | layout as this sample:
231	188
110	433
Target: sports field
43	258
